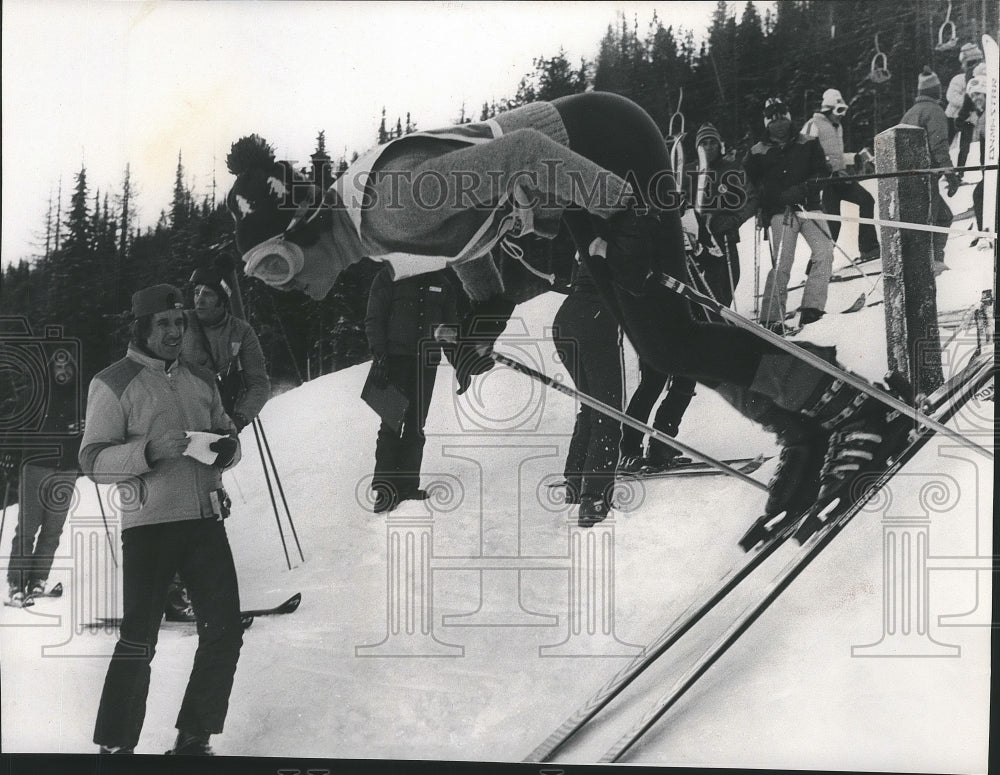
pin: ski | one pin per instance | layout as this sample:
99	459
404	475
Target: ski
746	465
674	632
56	591
843	278
289	606
945	402
833	370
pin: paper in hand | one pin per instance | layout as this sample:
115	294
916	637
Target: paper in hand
198	446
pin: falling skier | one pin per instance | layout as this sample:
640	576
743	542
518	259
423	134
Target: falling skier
598	162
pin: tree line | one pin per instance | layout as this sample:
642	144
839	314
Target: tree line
94	256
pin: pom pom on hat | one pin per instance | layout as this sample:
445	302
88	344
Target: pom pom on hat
156	298
928	83
263	200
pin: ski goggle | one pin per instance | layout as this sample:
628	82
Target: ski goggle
775	109
275	261
839	110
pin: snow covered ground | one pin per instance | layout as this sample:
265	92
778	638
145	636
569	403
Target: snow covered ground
486	659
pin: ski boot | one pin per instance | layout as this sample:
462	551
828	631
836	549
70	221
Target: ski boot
107	750
793	487
593	509
188	744
662	458
865	434
16	597
631	464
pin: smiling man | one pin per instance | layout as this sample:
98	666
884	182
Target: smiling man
173	506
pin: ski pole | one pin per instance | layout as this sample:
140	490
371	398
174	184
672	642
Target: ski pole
270	491
3	514
900	174
678	628
620	416
104	519
810	216
281	490
814	360
813	546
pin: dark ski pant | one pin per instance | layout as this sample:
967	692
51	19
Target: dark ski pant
399	455
46	493
838	191
721	274
586	338
151	554
617	134
668	414
941	215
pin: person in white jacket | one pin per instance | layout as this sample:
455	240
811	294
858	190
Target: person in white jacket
825	125
969	56
140	411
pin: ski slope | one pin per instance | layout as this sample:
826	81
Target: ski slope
491	677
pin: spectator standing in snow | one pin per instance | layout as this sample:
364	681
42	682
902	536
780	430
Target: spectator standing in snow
139	410
780	168
927	114
588	342
45	485
973	116
400	322
969	57
826	126
226	345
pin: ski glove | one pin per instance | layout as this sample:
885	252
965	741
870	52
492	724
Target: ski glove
225	448
954	180
380	372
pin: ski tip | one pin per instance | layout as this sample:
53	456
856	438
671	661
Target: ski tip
293	602
246	621
56	591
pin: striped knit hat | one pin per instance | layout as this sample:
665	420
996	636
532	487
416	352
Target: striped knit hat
969	53
928	84
707	132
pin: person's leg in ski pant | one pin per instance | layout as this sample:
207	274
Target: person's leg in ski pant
784	235
817	286
207	568
422	379
640	406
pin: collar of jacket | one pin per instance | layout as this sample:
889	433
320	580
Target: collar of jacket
925	98
150	361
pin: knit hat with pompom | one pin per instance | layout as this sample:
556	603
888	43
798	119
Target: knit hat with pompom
266	194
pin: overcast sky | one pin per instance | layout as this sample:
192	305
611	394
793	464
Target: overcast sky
103	84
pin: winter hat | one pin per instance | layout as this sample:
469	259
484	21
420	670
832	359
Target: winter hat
976	85
928	84
212	278
970	52
707	132
263	200
775	108
832	99
156	298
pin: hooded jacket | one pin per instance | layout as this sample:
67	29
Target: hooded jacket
129	404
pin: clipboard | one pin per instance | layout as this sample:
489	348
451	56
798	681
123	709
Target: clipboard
389	403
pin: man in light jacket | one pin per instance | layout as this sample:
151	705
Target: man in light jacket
825	126
140	411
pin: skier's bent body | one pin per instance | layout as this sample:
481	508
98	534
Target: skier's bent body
598	162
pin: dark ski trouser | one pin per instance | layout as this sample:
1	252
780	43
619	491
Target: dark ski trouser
721	273
151	554
838	191
620	136
44	499
669	413
941	215
399	455
586	337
